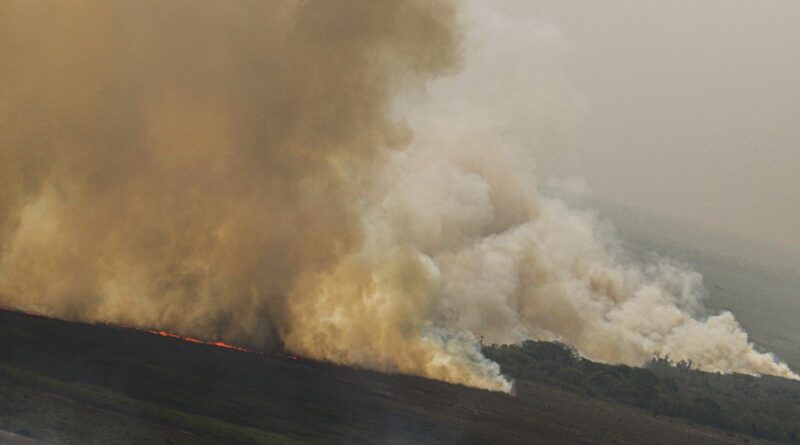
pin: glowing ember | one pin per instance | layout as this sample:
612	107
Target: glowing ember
154	332
198	341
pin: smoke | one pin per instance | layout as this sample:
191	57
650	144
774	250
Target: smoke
272	174
181	163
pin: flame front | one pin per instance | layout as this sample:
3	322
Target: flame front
199	341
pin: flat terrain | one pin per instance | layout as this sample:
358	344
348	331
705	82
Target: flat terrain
72	383
758	282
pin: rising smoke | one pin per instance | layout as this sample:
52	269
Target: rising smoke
181	163
243	171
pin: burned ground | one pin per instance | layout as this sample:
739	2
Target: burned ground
76	383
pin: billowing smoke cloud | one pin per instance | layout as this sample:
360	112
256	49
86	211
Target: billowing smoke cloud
181	163
241	171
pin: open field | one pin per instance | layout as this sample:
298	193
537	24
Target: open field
75	383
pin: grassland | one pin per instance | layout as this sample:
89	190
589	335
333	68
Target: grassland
73	383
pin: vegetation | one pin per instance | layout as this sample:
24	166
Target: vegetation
74	383
765	407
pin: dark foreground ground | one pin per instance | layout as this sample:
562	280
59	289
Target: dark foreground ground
72	383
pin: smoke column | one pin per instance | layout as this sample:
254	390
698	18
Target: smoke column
181	163
262	173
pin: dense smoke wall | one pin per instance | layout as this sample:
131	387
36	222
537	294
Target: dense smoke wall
181	163
241	171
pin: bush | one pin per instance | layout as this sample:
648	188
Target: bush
763	407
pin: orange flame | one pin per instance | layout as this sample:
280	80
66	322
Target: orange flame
198	341
168	334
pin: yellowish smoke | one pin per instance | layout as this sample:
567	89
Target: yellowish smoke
239	171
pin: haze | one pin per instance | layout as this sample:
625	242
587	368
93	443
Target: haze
357	185
684	108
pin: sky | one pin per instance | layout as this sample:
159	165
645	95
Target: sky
268	174
689	109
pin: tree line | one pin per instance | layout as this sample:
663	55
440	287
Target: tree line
765	407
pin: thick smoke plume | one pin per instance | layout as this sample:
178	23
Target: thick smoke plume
241	171
182	163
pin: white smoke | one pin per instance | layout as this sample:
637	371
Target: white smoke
247	187
466	246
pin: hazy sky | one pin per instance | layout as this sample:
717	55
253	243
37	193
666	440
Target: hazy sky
225	170
686	108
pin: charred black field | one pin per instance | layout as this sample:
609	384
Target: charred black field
64	382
